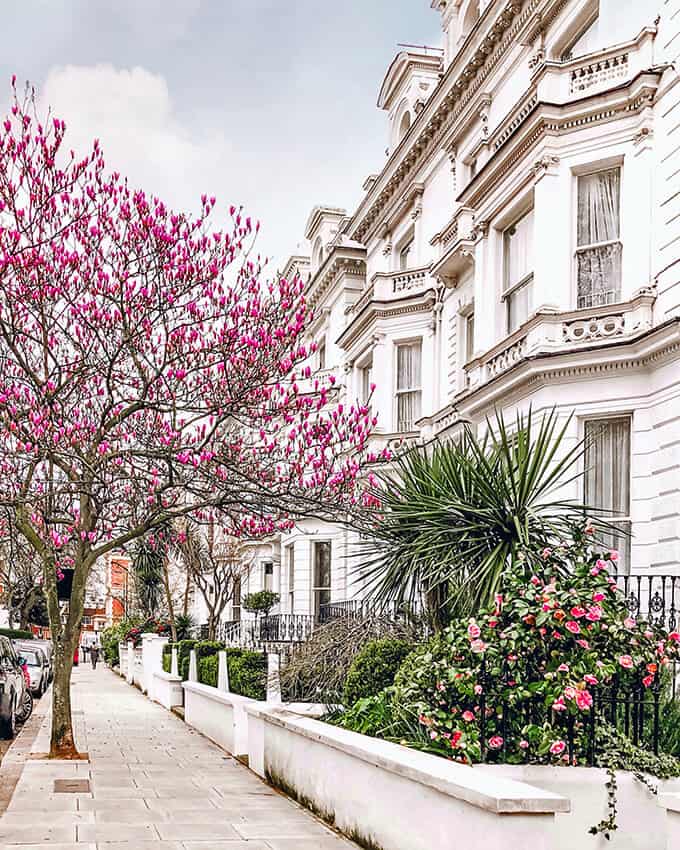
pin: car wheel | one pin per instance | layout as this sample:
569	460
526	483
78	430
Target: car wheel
26	707
8	725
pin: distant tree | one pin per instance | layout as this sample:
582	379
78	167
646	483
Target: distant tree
147	372
261	602
21	577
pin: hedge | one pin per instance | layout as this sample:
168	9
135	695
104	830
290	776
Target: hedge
247	669
374	668
16	634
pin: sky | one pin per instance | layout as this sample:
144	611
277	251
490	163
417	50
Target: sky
264	103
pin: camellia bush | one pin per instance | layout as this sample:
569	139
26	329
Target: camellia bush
546	650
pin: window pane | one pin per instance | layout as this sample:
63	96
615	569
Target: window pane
322	354
408	366
599	207
469	337
404	255
408	410
518	306
519	250
599	275
366	381
322	565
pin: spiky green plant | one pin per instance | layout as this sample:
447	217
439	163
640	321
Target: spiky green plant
454	515
147	566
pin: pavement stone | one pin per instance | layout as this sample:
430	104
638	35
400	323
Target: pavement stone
155	784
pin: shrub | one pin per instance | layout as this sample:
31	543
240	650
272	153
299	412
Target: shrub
374	668
248	673
184	647
207	670
260	602
112	637
206	648
17	634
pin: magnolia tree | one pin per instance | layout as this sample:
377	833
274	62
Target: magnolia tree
146	373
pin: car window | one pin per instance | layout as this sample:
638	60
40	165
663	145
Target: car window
30	657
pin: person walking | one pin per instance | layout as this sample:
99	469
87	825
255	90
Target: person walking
94	656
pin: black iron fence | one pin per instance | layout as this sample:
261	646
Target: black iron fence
655	598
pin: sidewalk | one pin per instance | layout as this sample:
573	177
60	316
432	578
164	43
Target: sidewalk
155	784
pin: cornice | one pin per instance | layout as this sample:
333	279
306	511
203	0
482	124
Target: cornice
463	79
554	119
422	302
348	261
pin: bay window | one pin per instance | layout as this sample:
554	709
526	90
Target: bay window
409	387
607	481
599	249
518	261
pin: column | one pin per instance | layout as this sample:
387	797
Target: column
554	288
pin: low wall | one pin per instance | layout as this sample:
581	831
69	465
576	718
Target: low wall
166	689
388	797
219	715
670	807
641	821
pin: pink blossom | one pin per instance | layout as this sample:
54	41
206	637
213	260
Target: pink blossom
468	716
590	679
557	748
578	612
573	627
647	680
583	643
473	631
478	646
496	742
584	700
626	661
563	668
524	744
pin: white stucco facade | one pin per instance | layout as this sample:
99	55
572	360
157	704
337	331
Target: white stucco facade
523	239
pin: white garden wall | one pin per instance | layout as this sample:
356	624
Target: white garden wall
166	689
219	715
641	821
396	798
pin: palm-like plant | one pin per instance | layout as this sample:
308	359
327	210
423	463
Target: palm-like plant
455	515
147	565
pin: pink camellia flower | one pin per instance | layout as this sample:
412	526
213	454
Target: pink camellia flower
577	612
546	553
583	643
613	555
563	668
584	700
557	748
479	689
672	636
493	622
573	627
473	631
524	745
468	716
594	614
496	742
535	580
570	692
478	646
629	623
598	596
590	679
626	661
559	705
647	681
433	736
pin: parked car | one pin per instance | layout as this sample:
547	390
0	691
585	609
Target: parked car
38	665
48	649
27	704
12	689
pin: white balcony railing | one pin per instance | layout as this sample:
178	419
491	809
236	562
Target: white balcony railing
562	81
389	286
546	333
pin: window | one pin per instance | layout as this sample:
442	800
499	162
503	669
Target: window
87	621
290	563
587	41
268	575
409	391
405	254
322	575
607	480
518	262
321	353
366	375
236	601
469	336
599	249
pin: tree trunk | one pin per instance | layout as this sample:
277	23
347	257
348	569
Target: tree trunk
63	745
212	626
168	598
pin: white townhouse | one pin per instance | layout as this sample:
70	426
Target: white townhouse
520	246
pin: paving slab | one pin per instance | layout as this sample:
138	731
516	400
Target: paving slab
155	784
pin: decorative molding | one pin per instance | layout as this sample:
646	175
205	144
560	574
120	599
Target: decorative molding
537	58
483	112
547	164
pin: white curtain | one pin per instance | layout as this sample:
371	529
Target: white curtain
599	268
607	476
408	385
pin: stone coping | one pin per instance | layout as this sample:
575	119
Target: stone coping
494	794
166	677
670	802
224	697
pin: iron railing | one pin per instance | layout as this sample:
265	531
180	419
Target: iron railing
654	597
